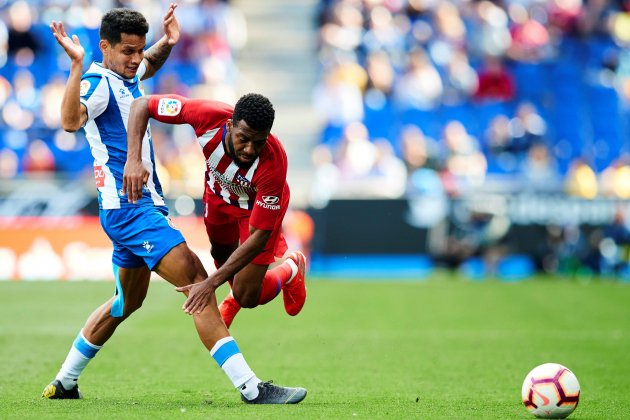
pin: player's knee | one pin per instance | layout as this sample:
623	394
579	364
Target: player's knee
245	298
130	307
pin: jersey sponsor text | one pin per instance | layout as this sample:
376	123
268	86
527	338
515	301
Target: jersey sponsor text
268	206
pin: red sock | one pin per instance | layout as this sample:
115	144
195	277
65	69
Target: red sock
273	282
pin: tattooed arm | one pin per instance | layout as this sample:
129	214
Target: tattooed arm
155	56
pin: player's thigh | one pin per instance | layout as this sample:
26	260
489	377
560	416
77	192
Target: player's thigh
223	233
275	248
180	266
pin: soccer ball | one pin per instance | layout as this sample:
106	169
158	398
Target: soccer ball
551	391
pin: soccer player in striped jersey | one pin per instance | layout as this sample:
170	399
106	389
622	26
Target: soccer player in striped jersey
142	234
246	197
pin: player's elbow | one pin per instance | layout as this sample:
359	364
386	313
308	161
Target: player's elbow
70	127
141	102
70	123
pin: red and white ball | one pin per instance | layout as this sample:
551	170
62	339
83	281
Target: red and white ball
551	391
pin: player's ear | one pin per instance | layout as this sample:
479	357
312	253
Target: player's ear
104	45
229	124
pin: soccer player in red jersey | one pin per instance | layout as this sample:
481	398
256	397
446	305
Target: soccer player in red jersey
246	197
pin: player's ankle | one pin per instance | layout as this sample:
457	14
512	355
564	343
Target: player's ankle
250	388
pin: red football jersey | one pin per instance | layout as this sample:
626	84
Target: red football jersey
258	191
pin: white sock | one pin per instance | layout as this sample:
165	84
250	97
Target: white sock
80	354
227	355
294	269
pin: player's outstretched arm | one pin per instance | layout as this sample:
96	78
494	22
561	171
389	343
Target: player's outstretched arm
135	175
73	113
200	293
155	56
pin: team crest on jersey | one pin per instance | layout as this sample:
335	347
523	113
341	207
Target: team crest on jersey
169	107
242	181
85	87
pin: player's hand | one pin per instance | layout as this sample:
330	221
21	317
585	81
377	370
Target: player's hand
73	46
135	176
171	25
199	296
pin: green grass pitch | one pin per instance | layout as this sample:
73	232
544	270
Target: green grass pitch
442	348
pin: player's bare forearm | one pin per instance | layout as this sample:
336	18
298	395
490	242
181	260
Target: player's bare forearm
73	114
137	126
156	56
135	175
242	256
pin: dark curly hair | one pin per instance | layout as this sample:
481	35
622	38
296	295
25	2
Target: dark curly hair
122	21
256	110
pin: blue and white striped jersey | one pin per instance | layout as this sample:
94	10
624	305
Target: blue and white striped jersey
107	97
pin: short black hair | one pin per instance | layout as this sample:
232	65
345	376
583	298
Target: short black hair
122	21
256	110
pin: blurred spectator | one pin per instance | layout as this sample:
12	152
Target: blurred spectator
615	179
540	169
383	34
389	174
4	43
490	33
614	247
420	86
530	38
418	151
38	159
527	127
464	161
499	135
460	80
22	42
338	99
356	154
476	233
495	84
581	180
5	90
568	250
380	72
8	163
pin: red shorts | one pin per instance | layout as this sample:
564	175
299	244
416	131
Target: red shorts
223	227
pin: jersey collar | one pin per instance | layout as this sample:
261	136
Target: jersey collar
115	74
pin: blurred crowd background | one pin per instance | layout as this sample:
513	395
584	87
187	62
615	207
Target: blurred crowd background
456	106
457	95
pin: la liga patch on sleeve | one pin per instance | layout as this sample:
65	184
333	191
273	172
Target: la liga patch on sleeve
169	107
84	87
